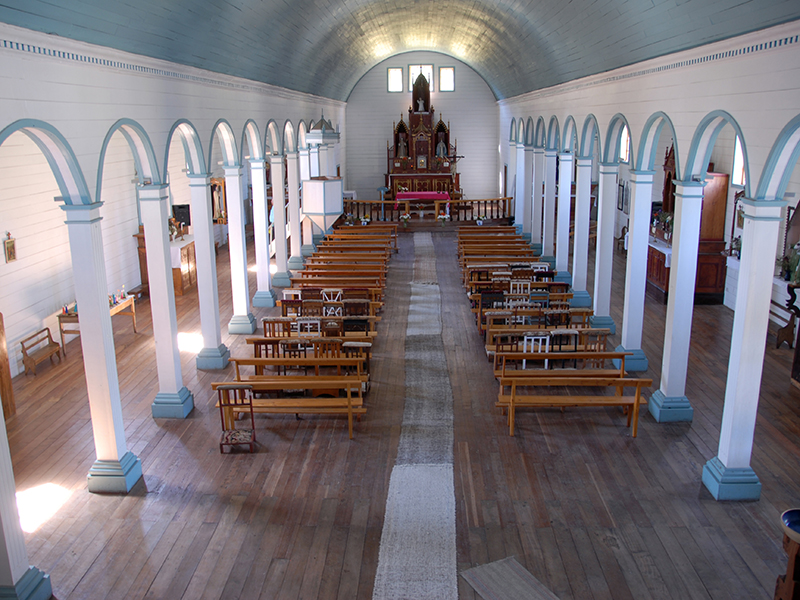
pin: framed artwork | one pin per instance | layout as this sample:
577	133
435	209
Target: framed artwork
422	162
620	194
626	199
10	247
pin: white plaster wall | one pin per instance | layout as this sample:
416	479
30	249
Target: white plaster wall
471	111
760	89
82	99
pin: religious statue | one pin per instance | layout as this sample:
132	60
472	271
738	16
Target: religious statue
441	149
420	105
402	149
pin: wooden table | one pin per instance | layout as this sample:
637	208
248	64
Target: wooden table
118	309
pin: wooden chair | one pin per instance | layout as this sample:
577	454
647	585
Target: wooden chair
332	308
308	326
355	307
312	293
291	308
537	342
540	299
234	398
331	295
331	328
37	348
312	308
277	326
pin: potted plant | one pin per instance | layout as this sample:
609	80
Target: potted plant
404	219
441	217
365	220
480	219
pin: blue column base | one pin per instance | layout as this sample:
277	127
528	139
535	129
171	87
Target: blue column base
242	324
536	247
282	280
581	299
172	406
33	585
213	358
115	476
295	263
603	322
264	298
316	238
670	410
518	227
636	364
526	236
551	260
307	249
563	277
730	484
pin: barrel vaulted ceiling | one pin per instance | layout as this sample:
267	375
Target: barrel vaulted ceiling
324	47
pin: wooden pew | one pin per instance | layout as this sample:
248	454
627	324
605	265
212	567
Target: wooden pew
594	374
351	404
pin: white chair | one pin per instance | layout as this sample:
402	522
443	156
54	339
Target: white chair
538	342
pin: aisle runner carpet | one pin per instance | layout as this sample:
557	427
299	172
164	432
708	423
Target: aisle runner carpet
417	557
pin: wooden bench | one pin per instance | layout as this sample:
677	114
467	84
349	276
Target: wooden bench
355	365
352	403
37	348
589	377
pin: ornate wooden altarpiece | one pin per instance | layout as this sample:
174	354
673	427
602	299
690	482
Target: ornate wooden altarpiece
420	156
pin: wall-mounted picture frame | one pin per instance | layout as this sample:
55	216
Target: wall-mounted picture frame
10	249
626	199
620	194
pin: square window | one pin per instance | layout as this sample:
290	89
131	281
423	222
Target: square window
395	79
415	70
447	79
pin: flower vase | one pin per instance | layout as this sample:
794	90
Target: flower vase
441	222
479	222
405	223
364	223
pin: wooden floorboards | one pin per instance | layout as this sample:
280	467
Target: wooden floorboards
591	512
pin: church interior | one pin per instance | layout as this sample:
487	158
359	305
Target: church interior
199	171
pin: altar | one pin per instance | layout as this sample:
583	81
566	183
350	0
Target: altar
437	202
421	157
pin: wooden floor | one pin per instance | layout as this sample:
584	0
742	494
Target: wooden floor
588	510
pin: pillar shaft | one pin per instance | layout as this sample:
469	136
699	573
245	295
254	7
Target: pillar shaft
511	186
281	278
242	321
604	250
214	354
116	469
264	295
305	167
525	185
173	399
549	217
669	402
293	182
580	241
636	269
537	199
313	160
564	208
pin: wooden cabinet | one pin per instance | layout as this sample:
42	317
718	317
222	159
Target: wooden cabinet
184	277
711	265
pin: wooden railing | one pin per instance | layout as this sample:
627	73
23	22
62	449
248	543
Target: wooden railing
460	210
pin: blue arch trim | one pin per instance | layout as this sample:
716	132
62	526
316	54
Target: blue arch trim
570	132
553	134
123	126
194	139
286	146
714	122
613	136
273	140
775	153
647	163
255	146
74	174
540	139
512	134
589	134
230	156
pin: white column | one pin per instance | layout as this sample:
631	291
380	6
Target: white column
173	400
116	469
331	160
265	295
669	402
18	580
323	160
580	243
242	321
604	250
728	476
549	223
305	166
536	199
525	185
511	185
565	162
281	277
308	237
293	181
636	270
214	354
314	161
